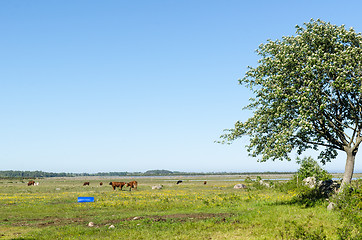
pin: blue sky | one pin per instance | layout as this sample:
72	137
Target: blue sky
98	86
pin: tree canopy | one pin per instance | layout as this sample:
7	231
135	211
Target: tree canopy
307	91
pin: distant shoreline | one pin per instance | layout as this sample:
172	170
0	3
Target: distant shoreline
41	174
152	173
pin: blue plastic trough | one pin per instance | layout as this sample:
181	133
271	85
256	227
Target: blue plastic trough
85	199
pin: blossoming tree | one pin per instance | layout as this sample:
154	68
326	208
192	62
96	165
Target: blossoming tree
307	91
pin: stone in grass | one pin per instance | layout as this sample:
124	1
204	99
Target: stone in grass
261	182
240	186
157	187
311	182
111	227
331	206
90	224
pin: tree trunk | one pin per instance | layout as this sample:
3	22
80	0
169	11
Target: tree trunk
348	171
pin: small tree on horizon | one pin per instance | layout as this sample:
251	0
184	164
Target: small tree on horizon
307	95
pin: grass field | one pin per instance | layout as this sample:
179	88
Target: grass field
190	210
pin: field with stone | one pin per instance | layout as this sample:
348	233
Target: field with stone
189	210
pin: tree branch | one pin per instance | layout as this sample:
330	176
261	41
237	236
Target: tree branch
325	145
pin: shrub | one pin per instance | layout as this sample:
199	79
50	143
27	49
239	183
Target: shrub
289	186
248	180
349	206
310	168
305	195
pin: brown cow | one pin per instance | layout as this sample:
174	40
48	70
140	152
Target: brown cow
86	183
205	183
31	183
100	183
132	184
117	184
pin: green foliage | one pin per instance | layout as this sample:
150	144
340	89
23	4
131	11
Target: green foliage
310	168
349	205
306	196
288	186
307	91
248	180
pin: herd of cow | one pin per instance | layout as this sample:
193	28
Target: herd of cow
132	184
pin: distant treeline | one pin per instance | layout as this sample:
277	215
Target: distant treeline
41	174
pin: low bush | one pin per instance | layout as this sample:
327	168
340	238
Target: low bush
310	168
349	206
306	195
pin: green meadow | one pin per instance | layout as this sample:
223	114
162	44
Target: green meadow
190	210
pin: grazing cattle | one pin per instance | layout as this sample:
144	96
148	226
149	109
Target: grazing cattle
86	183
179	181
100	183
31	183
117	184
132	184
205	183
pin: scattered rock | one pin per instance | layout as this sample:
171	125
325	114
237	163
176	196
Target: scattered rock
136	218
157	187
90	224
111	227
240	186
331	206
310	182
328	187
57	189
261	182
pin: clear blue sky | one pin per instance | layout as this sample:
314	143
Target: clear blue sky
98	86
